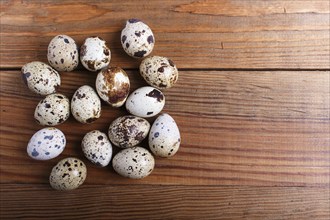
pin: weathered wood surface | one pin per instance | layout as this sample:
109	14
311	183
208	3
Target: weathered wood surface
250	128
165	202
195	34
252	104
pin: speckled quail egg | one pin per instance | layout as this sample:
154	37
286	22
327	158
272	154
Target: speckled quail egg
94	54
159	72
164	137
137	38
128	131
63	53
145	102
41	78
85	105
97	148
112	84
68	174
46	144
134	163
54	109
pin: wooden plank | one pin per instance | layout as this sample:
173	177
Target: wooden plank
164	202
195	34
238	128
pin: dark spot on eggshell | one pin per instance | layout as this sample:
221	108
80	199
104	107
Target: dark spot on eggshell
25	76
140	53
156	94
161	69
47	105
118	95
62	60
139	137
35	153
156	134
123	38
162	85
149	113
106	51
49	137
91	64
105	60
133	20
171	62
130	117
100	137
56	87
80	96
67	164
97	163
90	120
99	38
127	45
138	34
82	50
150	39
66	40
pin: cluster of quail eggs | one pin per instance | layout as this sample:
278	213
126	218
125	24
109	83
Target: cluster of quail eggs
113	87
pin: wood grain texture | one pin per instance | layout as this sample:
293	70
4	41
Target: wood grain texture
250	128
195	34
165	202
252	104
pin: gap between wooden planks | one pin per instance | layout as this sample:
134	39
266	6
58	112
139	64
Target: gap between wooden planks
261	128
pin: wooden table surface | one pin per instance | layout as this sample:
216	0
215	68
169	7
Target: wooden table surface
251	102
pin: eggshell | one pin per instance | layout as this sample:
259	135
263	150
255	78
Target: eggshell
134	163
68	174
164	137
41	78
145	102
97	148
112	84
94	54
159	72
85	105
137	38
128	131
63	53
54	109
46	144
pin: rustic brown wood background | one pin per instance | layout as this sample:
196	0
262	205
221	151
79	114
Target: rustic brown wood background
252	104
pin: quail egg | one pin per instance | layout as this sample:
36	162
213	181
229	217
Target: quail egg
112	85
85	105
68	174
159	72
137	38
164	137
41	78
97	148
46	144
63	53
94	54
134	163
54	109
145	102
128	131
